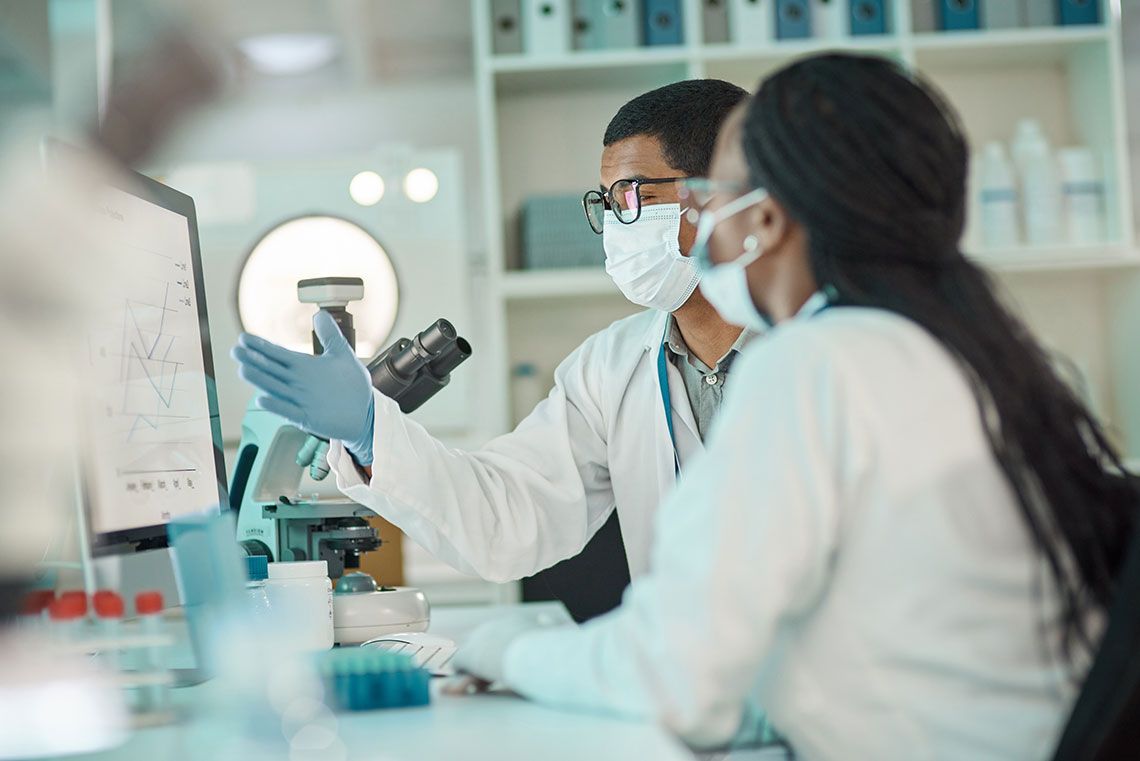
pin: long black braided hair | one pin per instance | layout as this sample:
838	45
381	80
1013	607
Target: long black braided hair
872	162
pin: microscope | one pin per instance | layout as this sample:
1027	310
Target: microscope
288	511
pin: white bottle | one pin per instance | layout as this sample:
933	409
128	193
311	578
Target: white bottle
998	199
257	569
1082	194
1040	187
300	597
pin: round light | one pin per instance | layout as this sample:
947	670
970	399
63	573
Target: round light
366	188
317	246
285	54
421	185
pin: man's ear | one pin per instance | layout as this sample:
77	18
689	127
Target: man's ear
770	223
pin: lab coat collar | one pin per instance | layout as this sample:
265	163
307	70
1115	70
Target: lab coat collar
815	304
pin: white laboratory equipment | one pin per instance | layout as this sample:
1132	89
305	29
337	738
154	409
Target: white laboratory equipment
300	598
1040	188
1082	194
998	198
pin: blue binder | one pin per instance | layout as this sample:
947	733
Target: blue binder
868	17
793	19
1073	12
661	20
959	14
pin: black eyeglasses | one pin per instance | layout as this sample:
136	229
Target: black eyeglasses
623	199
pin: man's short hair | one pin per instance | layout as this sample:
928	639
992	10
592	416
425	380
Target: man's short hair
684	116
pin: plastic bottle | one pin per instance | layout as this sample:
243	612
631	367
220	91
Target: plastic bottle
257	569
33	611
68	614
300	595
109	612
1040	188
998	199
1082	194
149	607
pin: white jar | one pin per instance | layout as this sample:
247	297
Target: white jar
300	596
1082	190
1040	186
998	199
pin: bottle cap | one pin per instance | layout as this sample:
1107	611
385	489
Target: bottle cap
257	567
37	601
68	607
148	603
299	569
78	598
108	604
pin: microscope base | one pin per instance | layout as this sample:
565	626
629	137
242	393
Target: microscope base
362	616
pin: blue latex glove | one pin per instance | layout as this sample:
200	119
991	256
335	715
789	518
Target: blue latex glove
484	651
328	395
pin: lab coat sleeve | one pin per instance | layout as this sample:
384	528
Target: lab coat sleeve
743	545
525	501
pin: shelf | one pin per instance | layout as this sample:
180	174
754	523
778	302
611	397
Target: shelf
1004	47
783	50
635	69
557	283
589	59
1063	258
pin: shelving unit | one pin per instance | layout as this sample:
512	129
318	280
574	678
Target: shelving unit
541	120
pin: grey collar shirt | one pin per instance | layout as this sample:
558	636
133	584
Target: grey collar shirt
704	385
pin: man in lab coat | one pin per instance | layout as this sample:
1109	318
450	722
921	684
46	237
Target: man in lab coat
629	407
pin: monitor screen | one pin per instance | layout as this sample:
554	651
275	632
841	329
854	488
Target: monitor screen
154	437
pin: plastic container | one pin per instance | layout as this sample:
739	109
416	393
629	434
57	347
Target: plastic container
1082	195
149	606
109	610
257	569
998	199
33	611
1040	185
301	600
67	614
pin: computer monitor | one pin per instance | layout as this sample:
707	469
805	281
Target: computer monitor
154	442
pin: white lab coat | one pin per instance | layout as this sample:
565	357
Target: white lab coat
846	554
535	496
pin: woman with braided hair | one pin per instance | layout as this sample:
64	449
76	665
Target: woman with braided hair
906	529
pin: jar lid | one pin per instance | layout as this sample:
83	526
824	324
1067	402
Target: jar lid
257	567
299	569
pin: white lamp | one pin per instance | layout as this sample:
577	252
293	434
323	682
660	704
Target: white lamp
310	247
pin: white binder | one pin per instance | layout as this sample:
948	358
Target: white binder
547	27
829	19
752	22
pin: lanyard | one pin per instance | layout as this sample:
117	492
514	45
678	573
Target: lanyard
663	383
818	302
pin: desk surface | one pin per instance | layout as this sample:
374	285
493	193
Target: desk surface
495	726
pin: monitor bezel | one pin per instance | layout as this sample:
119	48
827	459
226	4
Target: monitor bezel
142	538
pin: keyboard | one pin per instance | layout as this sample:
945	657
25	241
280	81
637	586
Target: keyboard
428	651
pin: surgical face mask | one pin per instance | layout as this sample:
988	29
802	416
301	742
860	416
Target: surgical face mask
644	258
726	285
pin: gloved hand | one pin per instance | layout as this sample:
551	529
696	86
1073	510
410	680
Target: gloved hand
328	395
483	654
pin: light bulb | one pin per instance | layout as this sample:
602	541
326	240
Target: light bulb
421	185
366	188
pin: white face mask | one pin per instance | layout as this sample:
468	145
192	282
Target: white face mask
726	285
644	258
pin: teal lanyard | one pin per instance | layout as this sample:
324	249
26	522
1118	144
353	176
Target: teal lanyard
813	306
663	383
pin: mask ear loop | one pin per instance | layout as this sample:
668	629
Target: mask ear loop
715	217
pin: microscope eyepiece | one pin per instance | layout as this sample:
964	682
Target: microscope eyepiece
412	371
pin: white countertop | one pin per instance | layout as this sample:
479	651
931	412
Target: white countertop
491	726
